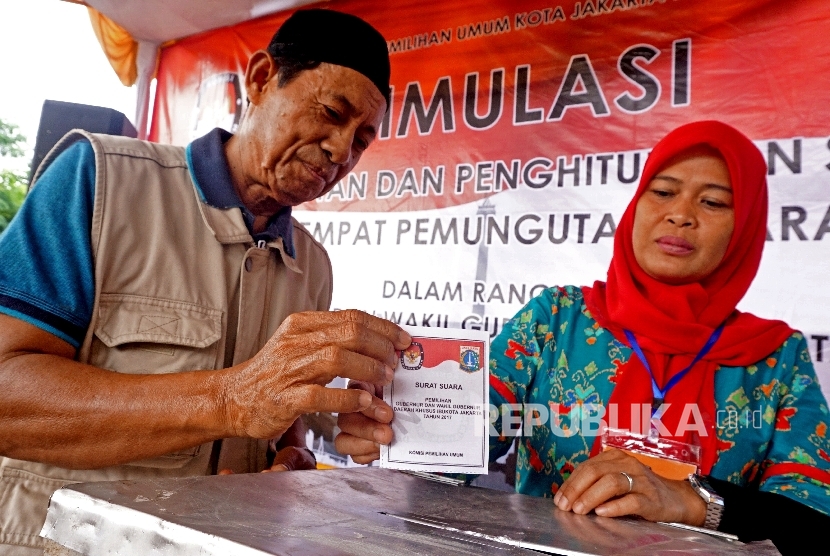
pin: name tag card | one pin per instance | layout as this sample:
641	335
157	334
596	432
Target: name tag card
441	398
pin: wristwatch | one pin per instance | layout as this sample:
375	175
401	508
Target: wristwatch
714	501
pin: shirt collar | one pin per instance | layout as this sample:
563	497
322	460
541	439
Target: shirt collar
210	173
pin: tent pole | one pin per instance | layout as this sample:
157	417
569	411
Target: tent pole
146	61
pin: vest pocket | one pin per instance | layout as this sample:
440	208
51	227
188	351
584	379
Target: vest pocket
143	335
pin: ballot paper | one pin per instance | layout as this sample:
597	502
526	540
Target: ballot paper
440	397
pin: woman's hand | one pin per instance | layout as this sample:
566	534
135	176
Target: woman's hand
599	485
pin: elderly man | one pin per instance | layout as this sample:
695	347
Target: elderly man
183	271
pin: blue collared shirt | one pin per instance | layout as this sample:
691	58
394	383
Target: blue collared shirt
211	174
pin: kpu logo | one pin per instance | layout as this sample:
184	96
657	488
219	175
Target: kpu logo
412	358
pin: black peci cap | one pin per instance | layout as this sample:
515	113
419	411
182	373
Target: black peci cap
336	38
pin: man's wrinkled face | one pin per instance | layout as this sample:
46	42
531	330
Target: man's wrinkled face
308	134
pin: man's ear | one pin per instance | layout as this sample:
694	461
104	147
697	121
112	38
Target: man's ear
261	69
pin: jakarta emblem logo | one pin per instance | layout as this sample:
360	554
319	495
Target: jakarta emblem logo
470	359
412	358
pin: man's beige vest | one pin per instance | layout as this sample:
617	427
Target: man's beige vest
179	285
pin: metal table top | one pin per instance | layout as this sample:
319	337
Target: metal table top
350	511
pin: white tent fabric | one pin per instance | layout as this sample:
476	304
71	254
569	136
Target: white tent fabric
153	22
158	21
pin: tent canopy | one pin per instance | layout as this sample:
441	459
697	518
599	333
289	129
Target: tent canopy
159	21
131	32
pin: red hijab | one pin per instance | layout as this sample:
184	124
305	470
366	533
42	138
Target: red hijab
672	323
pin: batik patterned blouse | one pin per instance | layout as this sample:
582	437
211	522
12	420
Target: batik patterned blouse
555	354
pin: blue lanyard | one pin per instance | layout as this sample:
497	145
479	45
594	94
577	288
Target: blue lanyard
660	395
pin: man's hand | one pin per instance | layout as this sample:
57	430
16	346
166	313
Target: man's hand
292	458
287	378
599	485
363	432
56	410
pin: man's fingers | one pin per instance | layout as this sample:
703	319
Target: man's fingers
361	436
399	337
293	458
360	449
362	385
361	339
379	410
278	468
357	424
353	365
346	335
312	398
375	389
334	340
312	321
366	459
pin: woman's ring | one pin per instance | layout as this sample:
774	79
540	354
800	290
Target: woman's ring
630	481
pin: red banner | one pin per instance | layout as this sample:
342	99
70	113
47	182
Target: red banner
479	87
516	135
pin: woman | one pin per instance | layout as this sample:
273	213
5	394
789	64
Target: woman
740	387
